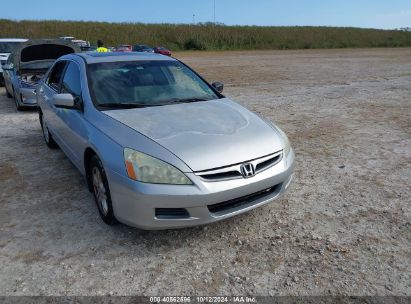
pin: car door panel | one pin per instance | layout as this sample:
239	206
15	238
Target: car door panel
70	122
46	93
74	132
49	112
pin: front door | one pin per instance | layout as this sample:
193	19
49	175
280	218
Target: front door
71	123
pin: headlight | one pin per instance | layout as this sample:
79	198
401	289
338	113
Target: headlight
286	142
147	169
27	85
284	138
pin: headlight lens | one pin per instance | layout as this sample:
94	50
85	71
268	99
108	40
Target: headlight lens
287	145
147	169
26	85
286	142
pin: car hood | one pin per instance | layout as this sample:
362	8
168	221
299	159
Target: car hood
204	135
41	53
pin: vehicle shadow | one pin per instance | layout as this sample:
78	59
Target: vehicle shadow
46	187
59	211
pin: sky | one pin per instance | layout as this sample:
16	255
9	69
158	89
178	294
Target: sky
384	14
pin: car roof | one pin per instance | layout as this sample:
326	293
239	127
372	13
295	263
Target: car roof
96	57
13	40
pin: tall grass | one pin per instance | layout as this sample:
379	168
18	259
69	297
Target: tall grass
208	36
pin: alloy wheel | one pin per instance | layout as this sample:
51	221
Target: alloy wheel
15	97
99	191
45	131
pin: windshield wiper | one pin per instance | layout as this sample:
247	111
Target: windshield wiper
137	105
121	105
186	100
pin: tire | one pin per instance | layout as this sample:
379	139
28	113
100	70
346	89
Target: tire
16	101
101	191
46	134
8	93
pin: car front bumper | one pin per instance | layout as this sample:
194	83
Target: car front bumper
135	203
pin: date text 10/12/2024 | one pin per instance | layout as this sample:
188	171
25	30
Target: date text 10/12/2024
205	299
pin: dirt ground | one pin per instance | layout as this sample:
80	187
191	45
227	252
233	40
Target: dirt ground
343	229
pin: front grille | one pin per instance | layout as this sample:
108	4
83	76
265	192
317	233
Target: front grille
223	175
234	171
268	163
241	201
171	213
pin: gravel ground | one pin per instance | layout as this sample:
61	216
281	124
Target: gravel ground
343	228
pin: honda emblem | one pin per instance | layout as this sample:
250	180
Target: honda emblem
247	170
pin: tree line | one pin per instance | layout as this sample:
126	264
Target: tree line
208	36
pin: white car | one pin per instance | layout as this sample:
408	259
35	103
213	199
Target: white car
83	44
7	45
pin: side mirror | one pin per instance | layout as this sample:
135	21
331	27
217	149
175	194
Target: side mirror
65	101
218	86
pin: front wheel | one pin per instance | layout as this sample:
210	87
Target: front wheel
46	134
16	101
101	191
8	93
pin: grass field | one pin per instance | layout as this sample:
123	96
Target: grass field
209	36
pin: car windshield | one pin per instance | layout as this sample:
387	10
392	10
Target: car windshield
8	47
145	83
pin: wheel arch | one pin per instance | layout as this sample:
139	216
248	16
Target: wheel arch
88	155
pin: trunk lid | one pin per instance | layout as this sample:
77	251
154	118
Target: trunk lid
39	54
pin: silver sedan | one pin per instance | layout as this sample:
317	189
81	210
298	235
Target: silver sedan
159	146
28	63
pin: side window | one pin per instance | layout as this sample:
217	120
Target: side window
71	80
55	75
